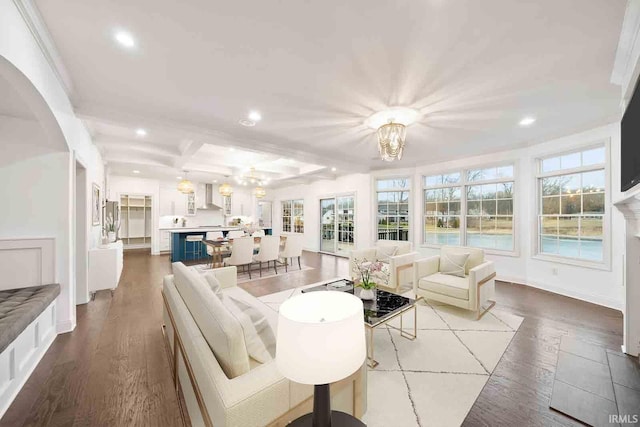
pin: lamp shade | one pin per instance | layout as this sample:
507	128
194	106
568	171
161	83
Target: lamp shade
320	337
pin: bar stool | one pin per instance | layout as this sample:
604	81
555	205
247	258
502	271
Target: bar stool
195	241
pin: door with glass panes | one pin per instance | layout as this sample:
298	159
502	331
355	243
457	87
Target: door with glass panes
337	224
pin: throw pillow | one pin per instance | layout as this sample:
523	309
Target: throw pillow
453	264
213	282
383	253
258	335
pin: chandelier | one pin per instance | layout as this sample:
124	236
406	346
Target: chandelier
225	189
391	128
185	186
391	139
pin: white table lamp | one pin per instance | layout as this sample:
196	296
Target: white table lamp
321	340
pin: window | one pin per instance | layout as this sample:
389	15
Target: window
572	205
293	216
442	209
393	208
490	208
471	207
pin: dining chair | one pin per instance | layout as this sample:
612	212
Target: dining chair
292	249
269	246
234	234
213	235
241	253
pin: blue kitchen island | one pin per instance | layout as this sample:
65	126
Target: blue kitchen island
179	234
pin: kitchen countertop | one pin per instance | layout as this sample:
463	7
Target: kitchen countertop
203	229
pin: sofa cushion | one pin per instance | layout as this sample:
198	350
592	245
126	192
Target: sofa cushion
221	330
453	264
403	246
258	335
383	253
444	284
476	256
213	283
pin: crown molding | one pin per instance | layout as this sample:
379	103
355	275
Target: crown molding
40	32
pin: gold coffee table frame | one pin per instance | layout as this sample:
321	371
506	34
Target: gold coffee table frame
371	362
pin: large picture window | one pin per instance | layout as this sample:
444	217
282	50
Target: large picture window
293	216
393	208
572	205
442	198
472	207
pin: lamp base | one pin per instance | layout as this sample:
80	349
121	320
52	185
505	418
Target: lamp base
338	419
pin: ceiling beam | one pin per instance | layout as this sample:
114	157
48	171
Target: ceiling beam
189	147
260	143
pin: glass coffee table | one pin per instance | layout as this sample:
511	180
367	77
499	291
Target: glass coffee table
385	307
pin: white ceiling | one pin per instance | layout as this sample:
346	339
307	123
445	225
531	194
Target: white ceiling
317	70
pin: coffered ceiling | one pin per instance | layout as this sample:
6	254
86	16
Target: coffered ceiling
317	70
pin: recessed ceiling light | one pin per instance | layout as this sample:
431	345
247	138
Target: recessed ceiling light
178	177
255	116
136	171
527	121
215	180
247	123
232	149
333	169
125	39
141	132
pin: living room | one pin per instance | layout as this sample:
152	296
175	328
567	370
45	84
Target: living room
465	174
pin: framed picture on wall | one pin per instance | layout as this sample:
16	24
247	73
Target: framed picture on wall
95	205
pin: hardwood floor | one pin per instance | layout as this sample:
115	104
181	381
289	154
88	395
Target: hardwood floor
112	370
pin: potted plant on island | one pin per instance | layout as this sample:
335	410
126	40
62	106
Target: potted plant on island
367	271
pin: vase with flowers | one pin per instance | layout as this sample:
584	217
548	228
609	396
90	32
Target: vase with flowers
110	228
367	270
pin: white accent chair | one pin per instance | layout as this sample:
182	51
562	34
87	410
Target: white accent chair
241	253
292	249
269	247
470	292
399	265
234	234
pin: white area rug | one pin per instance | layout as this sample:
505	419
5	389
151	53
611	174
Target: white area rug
434	380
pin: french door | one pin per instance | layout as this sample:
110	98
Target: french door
337	225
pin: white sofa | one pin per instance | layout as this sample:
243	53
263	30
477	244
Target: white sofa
400	265
261	396
471	292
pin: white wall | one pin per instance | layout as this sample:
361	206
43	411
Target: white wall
601	286
31	214
37	205
360	184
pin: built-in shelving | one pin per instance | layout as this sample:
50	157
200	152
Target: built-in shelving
135	221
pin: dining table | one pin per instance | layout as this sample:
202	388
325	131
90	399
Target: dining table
221	248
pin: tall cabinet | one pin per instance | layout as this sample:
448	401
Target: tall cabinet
136	221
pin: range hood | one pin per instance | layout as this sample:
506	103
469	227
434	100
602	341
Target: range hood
208	199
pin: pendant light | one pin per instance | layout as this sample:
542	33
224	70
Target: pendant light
225	189
185	186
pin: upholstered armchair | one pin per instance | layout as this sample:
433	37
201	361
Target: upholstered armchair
398	256
471	292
